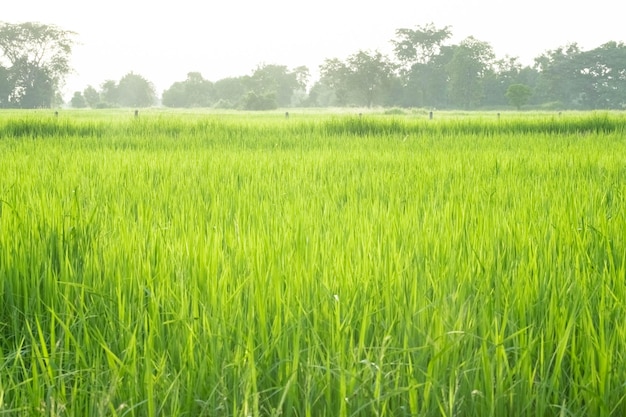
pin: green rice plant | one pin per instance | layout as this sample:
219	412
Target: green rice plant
247	129
248	264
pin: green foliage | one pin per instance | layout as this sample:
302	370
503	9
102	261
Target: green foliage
6	87
229	91
368	125
195	91
135	91
38	56
591	79
364	79
420	45
269	87
427	72
334	76
504	73
109	92
92	96
518	94
78	101
395	111
277	81
602	73
253	101
201	264
466	76
471	61
132	90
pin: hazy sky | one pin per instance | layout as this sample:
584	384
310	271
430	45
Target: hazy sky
164	40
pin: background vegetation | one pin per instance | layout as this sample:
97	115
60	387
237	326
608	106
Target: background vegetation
425	71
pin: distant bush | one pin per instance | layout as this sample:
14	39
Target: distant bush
553	105
394	111
224	104
105	105
254	101
78	101
420	111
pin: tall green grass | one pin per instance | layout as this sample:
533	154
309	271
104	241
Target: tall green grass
250	126
334	265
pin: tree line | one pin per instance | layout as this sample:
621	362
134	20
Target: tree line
34	61
425	70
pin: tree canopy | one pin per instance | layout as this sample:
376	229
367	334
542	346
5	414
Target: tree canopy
420	45
426	70
195	91
34	61
268	87
132	90
518	94
364	79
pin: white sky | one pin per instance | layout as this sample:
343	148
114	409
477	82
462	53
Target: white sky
164	40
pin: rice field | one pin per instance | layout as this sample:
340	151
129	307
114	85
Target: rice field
197	264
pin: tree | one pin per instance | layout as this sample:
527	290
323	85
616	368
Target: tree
334	75
229	92
365	78
321	95
92	97
518	94
78	101
6	87
471	62
35	60
278	81
423	78
425	85
195	91
254	101
370	76
109	94
504	73
602	76
558	81
176	96
135	91
420	45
